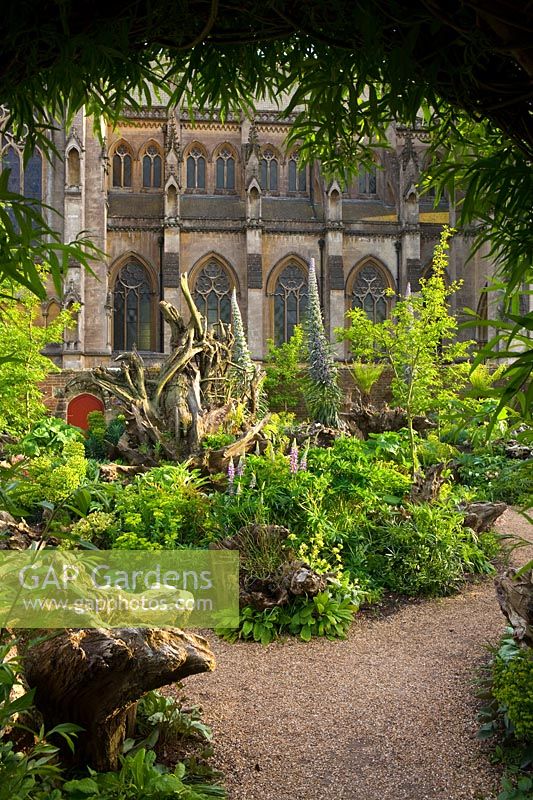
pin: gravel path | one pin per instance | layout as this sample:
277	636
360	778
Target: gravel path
388	714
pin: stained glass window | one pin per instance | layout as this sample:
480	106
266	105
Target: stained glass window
212	293
297	177
369	293
195	170
290	302
132	318
122	167
152	168
225	170
33	177
268	174
11	161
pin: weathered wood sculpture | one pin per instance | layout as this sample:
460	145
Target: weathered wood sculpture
93	677
190	395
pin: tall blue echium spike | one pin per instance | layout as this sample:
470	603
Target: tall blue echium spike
323	395
241	352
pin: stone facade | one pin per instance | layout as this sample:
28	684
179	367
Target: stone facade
227	205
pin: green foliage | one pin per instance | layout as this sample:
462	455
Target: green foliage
216	441
505	688
22	365
425	550
101	435
497	478
27	242
476	422
482	378
95	441
28	775
163	508
513	688
98	527
139	776
321	390
162	720
329	613
262	554
366	375
53	479
418	343
48	435
284	374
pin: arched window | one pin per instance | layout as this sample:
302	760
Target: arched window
122	167
367	183
26	180
132	309
73	167
290	301
196	169
212	293
152	168
369	292
33	177
225	170
11	161
297	177
269	171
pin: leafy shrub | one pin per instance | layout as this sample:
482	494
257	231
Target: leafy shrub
284	373
98	527
425	550
101	435
30	774
163	508
216	441
497	478
95	441
49	435
329	613
139	777
506	691
365	375
513	688
163	716
53	478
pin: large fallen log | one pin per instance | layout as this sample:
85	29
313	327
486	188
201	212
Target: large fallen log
515	596
93	677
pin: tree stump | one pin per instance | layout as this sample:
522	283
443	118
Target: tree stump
515	596
482	516
93	677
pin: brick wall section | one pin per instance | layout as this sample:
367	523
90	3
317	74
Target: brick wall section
53	392
53	389
379	395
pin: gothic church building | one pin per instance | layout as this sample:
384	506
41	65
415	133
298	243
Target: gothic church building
225	203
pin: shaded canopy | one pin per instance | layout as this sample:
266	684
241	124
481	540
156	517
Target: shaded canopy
475	55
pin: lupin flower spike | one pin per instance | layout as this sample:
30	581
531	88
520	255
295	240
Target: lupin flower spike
293	458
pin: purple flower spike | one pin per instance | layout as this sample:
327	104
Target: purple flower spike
231	471
239	472
293	458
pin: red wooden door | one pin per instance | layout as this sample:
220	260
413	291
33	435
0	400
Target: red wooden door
80	406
